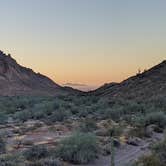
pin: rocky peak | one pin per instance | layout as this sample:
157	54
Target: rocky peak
16	79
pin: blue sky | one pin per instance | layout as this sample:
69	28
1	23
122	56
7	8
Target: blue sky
84	41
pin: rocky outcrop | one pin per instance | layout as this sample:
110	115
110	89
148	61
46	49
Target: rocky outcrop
18	80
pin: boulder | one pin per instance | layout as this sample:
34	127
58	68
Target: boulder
134	141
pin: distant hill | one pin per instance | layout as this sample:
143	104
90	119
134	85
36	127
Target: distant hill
18	80
81	87
150	83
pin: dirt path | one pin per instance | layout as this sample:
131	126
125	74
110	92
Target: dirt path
127	154
123	156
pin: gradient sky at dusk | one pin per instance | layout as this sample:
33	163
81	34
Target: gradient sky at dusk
84	41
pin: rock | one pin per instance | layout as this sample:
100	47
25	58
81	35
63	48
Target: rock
150	130
134	141
32	123
18	80
106	149
101	132
116	143
27	142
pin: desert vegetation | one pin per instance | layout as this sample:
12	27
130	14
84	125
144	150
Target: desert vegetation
79	128
157	158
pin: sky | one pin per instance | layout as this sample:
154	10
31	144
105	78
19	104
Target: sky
89	42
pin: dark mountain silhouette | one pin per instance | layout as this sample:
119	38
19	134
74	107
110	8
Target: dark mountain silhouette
150	83
18	80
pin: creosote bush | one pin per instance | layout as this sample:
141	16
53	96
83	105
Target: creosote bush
88	125
158	118
36	152
80	148
12	160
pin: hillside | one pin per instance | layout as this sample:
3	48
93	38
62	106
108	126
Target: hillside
44	125
18	80
150	83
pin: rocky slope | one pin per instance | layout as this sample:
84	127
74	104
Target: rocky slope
18	80
150	83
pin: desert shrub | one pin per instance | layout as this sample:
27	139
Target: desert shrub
83	113
157	158
139	132
113	113
88	125
2	145
36	152
39	114
158	118
74	109
3	118
11	160
137	120
160	151
159	102
42	110
23	115
132	107
79	149
46	162
151	160
56	106
115	131
59	115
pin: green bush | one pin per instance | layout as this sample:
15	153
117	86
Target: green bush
11	160
79	149
157	158
59	115
115	113
115	131
158	118
3	118
36	152
23	115
160	151
151	160
88	125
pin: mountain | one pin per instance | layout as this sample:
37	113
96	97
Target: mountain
149	84
81	87
18	80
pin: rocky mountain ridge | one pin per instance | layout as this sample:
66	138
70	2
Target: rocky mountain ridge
147	84
18	80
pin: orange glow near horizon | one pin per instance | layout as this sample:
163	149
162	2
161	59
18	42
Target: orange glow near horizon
86	70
